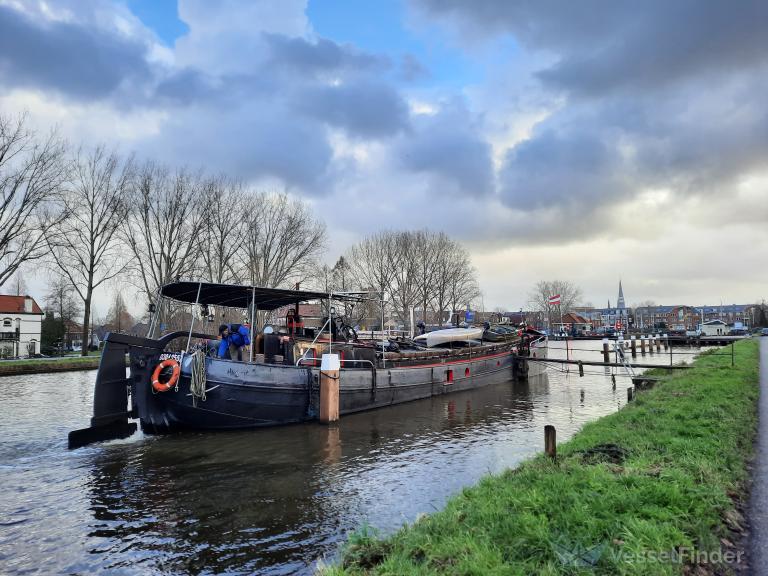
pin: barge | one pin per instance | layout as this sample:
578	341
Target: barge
278	379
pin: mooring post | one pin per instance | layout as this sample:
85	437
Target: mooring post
670	352
658	342
733	360
642	345
651	341
666	340
581	369
606	354
633	342
329	388
550	441
630	394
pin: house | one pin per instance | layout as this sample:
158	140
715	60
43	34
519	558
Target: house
574	323
73	335
21	326
714	328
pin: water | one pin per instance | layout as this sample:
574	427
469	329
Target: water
271	501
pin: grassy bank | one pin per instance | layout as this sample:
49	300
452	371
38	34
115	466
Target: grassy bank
644	491
44	365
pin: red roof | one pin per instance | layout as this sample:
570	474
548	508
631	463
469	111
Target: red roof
15	304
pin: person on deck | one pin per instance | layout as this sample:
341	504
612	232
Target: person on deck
233	338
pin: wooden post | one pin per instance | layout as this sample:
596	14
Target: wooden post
606	354
550	441
650	343
666	341
581	369
733	360
630	394
633	343
329	388
658	342
670	354
642	345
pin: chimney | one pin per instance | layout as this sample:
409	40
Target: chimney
28	304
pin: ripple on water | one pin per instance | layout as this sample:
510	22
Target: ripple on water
269	501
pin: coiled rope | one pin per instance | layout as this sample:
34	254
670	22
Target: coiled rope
198	380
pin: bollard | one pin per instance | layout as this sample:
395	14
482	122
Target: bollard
666	341
550	441
642	345
581	369
650	344
613	381
658	342
630	394
606	354
633	343
329	388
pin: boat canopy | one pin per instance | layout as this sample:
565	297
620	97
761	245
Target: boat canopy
237	296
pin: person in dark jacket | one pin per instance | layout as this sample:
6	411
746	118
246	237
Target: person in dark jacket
233	338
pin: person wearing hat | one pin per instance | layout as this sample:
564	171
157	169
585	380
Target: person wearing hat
233	338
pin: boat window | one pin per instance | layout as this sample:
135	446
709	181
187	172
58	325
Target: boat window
7	322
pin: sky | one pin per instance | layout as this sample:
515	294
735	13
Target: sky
588	141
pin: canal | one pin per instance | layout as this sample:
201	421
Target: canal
272	501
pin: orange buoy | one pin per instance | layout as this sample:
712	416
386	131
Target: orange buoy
165	386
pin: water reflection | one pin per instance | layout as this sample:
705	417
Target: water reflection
271	501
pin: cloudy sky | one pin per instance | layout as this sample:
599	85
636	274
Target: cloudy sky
587	141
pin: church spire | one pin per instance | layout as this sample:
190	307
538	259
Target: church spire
620	301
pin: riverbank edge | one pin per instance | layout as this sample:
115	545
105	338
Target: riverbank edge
47	366
656	487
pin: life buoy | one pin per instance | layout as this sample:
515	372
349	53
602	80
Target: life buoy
165	386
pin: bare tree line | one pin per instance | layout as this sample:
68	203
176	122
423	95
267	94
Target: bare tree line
423	270
95	217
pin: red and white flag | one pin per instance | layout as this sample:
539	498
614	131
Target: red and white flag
554	299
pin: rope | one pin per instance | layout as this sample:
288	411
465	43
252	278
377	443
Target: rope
198	378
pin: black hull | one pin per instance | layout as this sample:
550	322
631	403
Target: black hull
242	395
262	395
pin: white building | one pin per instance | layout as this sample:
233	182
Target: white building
714	328
20	324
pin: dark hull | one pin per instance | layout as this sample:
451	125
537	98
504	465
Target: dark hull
244	395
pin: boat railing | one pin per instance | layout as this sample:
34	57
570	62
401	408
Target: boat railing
353	361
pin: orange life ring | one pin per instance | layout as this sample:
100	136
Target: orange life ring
165	386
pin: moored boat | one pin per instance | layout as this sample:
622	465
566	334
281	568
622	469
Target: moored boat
278	379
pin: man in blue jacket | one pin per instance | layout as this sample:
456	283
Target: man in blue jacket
233	338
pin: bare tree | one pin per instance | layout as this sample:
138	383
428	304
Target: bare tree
283	241
60	299
538	298
463	288
31	175
224	229
455	284
84	246
118	318
18	284
372	267
163	226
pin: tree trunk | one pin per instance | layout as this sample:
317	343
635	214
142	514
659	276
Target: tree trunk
86	321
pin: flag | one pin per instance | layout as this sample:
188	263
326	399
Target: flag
554	299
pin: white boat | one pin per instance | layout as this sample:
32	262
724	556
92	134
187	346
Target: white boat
438	337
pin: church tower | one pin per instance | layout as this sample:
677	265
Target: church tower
620	301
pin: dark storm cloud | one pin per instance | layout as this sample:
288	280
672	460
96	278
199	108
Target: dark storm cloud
79	62
602	44
656	95
448	145
366	109
300	55
588	171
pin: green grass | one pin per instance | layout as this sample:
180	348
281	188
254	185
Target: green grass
42	365
687	442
